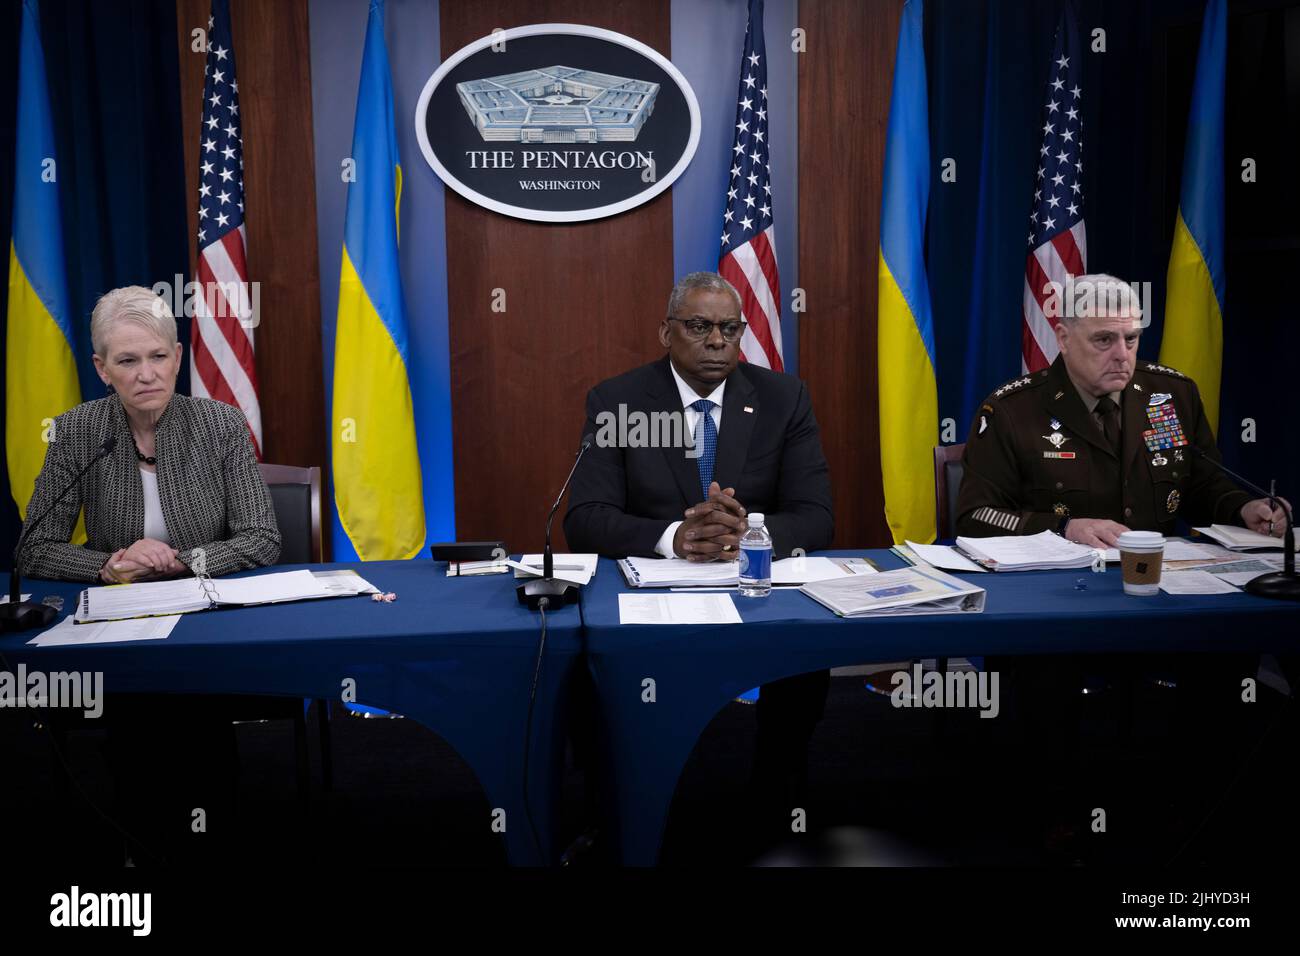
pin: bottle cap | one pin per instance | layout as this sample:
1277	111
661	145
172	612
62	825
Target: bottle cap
756	519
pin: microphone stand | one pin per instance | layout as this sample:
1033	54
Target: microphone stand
546	588
20	615
1285	584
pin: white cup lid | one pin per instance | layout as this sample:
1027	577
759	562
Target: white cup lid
1141	540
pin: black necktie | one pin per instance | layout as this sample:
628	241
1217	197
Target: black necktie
1108	412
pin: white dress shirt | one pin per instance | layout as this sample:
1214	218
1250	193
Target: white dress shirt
155	526
691	420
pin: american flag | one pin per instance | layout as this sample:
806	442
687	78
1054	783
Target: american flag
221	350
1058	244
748	257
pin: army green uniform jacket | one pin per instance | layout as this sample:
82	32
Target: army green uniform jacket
1035	455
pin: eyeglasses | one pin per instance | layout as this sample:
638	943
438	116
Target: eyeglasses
701	329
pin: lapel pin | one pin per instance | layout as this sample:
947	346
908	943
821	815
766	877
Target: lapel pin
1058	395
749	409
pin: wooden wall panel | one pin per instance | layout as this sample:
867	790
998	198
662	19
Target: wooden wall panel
845	80
583	302
272	50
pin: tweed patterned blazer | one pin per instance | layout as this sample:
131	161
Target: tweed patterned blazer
214	499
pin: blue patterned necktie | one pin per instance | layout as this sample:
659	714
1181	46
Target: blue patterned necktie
706	440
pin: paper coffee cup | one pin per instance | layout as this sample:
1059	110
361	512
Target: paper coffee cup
1141	554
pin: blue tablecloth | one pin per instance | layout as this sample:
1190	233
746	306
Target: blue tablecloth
697	669
455	654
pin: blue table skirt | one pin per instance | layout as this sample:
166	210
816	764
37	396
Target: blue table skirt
455	654
698	669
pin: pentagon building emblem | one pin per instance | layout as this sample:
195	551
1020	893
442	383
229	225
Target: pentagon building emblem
558	104
566	122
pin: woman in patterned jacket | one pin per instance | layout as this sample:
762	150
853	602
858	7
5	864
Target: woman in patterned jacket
181	490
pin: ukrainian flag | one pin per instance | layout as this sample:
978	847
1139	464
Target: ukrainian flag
909	403
40	372
377	482
1193	334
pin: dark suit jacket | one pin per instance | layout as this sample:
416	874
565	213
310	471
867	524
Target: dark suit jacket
214	499
623	498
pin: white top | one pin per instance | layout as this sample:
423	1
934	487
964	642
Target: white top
692	421
155	526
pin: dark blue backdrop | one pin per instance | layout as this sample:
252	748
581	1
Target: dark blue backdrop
988	62
115	96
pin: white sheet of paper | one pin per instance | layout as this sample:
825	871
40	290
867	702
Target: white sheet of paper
579	578
345	581
21	597
943	557
1194	582
107	632
677	609
1178	549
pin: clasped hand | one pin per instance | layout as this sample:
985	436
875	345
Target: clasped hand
145	560
711	530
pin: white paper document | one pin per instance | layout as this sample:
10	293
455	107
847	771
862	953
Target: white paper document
106	632
680	573
21	597
677	609
571	568
1194	582
1029	552
919	590
344	581
119	601
942	556
1180	549
1240	572
1242	539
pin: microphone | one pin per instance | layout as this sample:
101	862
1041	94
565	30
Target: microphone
24	615
556	593
1284	584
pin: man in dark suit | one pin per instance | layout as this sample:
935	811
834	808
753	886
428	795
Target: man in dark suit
740	438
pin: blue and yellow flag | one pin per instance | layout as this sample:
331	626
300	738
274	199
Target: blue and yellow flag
377	482
41	373
1193	334
909	402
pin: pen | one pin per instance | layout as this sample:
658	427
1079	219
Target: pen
1272	504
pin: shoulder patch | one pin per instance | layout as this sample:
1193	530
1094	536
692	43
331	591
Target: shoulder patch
1165	369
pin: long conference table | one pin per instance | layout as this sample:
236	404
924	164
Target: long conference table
454	654
457	655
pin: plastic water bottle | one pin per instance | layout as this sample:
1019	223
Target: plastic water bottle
756	559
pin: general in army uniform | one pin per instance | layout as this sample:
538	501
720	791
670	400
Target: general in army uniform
1099	443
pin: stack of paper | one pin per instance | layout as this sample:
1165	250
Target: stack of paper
1241	539
905	591
1044	551
678	572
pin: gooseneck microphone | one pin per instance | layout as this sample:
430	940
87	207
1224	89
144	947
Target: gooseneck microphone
558	593
1284	584
24	615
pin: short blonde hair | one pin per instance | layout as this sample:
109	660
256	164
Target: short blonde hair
132	303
